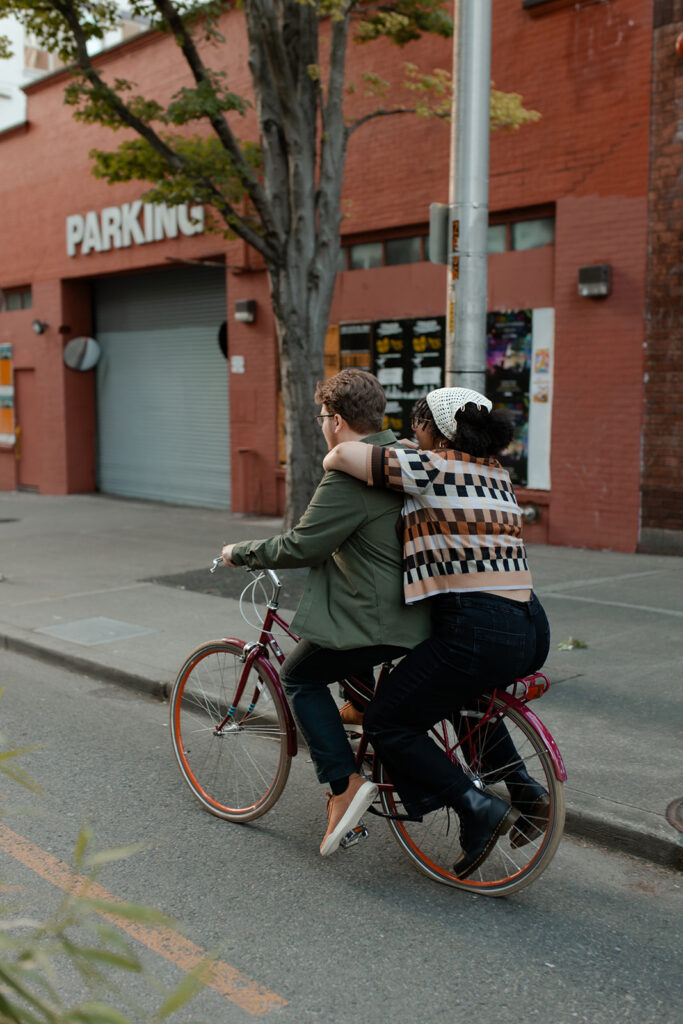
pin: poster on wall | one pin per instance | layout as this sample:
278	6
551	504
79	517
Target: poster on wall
508	372
355	344
408	360
7	431
390	364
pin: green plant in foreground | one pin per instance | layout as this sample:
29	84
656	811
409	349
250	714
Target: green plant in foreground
32	950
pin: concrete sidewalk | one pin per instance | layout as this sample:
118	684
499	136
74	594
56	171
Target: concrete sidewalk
76	591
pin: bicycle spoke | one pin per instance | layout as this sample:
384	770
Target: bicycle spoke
232	751
489	756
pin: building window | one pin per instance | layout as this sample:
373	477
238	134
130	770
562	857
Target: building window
36	58
403	250
365	256
521	230
389	252
498	237
532	234
16	298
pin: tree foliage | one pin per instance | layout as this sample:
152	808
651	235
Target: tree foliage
278	188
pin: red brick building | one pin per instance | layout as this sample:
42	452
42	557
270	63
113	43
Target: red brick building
164	415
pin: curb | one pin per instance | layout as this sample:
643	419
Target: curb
621	838
610	834
130	680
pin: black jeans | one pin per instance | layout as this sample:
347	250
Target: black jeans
479	641
306	675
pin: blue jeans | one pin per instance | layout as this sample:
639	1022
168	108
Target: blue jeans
306	675
479	642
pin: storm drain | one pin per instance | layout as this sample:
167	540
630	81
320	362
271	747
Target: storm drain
99	630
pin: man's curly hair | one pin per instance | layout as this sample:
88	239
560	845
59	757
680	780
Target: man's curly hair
355	395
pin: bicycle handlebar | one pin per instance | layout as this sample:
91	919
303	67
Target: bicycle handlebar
272	575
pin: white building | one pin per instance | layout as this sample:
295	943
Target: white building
29	61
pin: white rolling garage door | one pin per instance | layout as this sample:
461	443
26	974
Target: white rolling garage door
162	387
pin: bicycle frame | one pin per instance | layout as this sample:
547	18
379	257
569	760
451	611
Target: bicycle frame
525	690
259	650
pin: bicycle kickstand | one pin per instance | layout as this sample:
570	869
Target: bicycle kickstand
354	835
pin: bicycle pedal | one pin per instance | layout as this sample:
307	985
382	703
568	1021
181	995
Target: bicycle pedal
354	836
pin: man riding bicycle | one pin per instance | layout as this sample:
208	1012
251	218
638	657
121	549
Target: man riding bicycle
352	608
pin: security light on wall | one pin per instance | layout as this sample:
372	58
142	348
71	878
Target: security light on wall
40	326
245	311
595	282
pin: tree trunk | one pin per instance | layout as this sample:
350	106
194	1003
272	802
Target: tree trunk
304	145
301	322
300	370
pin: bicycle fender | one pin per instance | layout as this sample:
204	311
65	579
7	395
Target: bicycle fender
536	723
264	662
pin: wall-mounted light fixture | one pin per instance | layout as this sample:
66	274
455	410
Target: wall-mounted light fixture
40	326
595	282
245	311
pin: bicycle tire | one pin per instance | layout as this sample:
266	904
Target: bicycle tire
433	845
237	772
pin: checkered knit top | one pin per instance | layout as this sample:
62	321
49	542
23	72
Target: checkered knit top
462	526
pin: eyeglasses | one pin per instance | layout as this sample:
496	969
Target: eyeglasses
325	416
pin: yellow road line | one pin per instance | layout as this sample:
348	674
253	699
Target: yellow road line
168	943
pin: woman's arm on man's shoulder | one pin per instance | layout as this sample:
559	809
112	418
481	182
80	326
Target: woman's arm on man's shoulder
352	457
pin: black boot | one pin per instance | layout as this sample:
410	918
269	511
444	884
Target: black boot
532	801
483	819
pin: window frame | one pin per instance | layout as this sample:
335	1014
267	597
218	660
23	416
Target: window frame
21	292
510	217
420	231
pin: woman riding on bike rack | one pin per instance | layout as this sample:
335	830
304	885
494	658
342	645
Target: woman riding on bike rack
463	550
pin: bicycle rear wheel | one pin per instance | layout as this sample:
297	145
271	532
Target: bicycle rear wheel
433	845
231	747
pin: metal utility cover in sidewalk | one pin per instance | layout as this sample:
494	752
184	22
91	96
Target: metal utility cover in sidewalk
99	630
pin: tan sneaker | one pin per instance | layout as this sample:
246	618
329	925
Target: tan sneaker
343	811
351	717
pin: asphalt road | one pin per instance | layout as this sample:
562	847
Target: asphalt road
356	937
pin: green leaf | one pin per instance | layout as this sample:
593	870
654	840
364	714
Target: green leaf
117	853
82	844
22	778
97	1013
101	956
129	911
186	990
571	644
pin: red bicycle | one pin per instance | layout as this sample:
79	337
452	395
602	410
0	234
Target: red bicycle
234	737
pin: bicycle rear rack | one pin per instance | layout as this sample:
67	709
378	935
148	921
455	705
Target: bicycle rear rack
532	687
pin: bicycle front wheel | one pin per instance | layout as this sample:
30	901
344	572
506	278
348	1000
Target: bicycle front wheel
433	845
229	733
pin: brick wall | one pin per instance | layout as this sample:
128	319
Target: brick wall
662	471
597	400
587	68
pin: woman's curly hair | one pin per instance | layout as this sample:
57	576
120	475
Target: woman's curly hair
480	434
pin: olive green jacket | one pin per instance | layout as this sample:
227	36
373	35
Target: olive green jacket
354	594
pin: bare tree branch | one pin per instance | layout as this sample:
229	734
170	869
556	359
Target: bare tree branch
175	160
350	129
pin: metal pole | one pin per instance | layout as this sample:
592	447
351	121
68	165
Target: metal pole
466	353
450	282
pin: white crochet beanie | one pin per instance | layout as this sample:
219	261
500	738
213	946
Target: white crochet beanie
446	402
